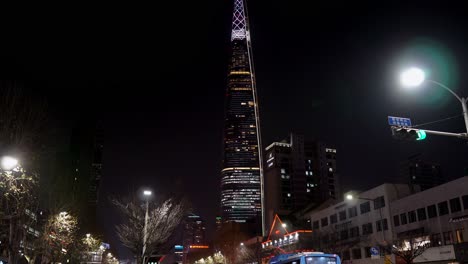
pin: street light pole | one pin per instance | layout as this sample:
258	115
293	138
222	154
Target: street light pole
462	100
146	193
413	77
7	164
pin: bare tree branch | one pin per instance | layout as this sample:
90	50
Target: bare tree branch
163	218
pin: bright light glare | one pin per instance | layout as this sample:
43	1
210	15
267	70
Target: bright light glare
9	163
349	197
283	225
147	193
412	77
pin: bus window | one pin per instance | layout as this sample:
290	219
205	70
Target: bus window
320	260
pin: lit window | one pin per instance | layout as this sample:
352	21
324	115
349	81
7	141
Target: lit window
308	190
289	195
283	171
307	173
330	169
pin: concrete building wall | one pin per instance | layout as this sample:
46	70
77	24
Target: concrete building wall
446	229
387	192
454	222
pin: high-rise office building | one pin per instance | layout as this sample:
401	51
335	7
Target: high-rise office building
194	231
86	147
241	175
298	173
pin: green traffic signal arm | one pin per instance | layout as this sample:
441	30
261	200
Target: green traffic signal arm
440	133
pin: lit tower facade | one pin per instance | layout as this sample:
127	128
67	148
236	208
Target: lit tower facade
241	175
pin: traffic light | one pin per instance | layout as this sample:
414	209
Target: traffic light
409	134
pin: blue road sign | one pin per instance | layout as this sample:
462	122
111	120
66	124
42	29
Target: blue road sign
399	121
374	251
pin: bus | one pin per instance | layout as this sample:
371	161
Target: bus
306	258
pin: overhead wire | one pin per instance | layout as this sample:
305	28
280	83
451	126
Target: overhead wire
438	121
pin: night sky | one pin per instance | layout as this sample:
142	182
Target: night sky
156	76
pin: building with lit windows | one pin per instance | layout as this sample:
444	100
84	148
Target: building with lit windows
392	213
194	231
241	175
298	173
351	227
438	215
194	238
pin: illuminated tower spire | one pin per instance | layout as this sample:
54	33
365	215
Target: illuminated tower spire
239	23
241	176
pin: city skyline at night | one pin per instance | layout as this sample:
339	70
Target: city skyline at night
162	85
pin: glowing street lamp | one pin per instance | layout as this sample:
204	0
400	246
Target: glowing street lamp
349	197
8	163
414	76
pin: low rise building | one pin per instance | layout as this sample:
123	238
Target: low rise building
390	214
438	216
351	227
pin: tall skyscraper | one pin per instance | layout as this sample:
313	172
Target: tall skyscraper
299	173
241	175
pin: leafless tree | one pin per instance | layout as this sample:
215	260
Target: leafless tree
250	253
408	248
164	217
228	240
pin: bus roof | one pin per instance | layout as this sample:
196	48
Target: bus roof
296	255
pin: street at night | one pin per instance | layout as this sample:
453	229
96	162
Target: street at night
235	132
